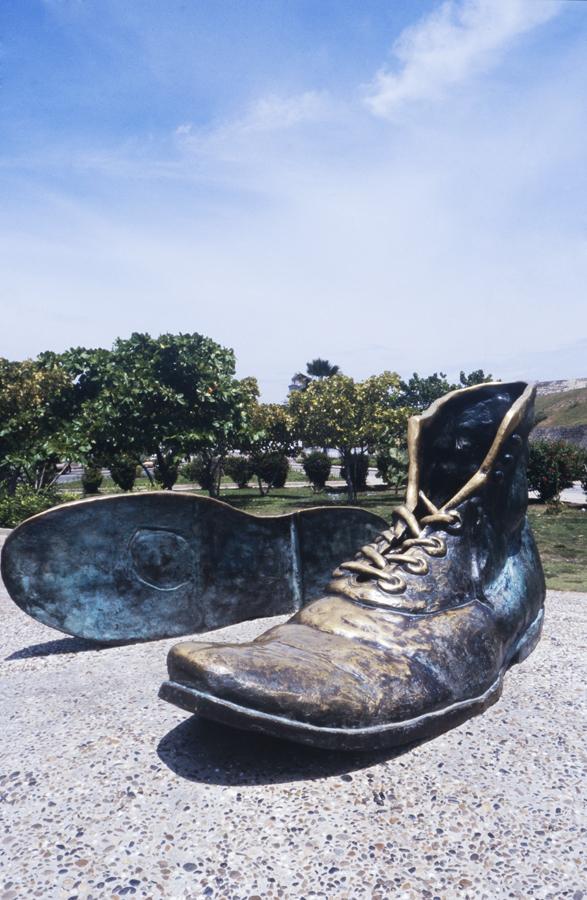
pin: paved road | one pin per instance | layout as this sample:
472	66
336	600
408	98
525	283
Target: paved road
107	791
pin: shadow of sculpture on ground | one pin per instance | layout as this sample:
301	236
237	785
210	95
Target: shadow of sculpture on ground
55	648
207	752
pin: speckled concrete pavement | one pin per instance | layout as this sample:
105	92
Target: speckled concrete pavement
106	791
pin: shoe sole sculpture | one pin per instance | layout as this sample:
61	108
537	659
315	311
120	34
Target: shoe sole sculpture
415	633
146	566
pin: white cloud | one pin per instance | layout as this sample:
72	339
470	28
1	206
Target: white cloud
455	41
270	117
275	112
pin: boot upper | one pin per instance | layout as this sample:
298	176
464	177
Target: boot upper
426	616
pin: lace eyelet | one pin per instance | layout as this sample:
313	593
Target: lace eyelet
393	584
456	525
418	566
435	547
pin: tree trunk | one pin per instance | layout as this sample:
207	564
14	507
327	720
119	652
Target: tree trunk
147	473
164	470
347	456
263	491
64	471
12	483
215	476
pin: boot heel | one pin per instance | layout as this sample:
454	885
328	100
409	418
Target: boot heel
528	641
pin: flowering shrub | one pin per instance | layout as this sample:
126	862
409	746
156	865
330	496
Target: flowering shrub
554	466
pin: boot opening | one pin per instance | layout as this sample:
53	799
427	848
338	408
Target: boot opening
458	435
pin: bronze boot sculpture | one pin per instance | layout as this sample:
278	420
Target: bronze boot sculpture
135	567
413	635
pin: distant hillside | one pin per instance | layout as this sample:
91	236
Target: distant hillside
562	416
564	408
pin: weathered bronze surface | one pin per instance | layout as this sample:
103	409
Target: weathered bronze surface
153	565
415	633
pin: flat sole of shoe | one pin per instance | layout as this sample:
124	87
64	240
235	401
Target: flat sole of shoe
376	737
138	567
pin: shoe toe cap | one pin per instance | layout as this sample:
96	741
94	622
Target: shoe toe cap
301	675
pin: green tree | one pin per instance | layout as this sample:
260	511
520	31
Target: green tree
418	393
269	440
37	400
167	397
230	435
478	376
350	416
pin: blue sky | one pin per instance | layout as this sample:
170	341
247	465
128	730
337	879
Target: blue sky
391	185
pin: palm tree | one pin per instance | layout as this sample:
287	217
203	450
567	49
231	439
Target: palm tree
321	368
316	369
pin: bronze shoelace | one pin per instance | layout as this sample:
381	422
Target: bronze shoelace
380	553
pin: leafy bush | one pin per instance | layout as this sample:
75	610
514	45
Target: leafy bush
392	467
240	469
198	470
166	478
554	466
26	502
92	479
272	468
317	467
359	466
124	472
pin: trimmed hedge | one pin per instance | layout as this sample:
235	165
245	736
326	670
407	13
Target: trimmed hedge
240	469
272	468
124	472
317	468
92	479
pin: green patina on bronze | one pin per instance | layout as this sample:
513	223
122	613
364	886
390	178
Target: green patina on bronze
156	565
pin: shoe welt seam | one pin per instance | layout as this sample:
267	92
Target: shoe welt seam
324	729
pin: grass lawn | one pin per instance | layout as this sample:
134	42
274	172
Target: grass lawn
562	538
562	541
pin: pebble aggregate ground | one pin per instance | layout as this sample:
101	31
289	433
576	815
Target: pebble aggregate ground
106	791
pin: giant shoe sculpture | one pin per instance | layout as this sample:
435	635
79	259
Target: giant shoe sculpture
145	566
415	633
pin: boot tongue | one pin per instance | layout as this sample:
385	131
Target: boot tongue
456	437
